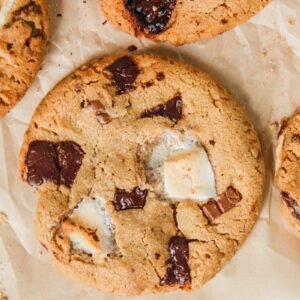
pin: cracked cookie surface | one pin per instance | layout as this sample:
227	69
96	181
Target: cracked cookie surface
287	173
179	21
125	224
23	37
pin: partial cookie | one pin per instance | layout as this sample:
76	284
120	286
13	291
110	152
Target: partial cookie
287	173
24	30
149	174
179	22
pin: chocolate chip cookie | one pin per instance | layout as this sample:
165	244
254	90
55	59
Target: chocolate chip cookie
149	175
287	175
179	22
24	29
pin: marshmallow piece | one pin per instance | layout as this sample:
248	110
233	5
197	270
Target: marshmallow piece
94	228
189	175
5	8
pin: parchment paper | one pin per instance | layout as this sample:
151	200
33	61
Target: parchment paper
259	62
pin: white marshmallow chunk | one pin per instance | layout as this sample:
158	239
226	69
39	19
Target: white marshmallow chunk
189	175
92	216
184	167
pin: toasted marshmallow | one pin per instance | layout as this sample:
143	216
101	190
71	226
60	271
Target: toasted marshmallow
184	167
93	231
189	175
5	8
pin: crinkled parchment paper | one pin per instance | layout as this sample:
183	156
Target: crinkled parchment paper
259	62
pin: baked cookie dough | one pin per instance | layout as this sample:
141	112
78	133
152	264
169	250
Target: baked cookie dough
179	22
149	174
287	175
24	29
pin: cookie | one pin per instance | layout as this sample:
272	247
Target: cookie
287	174
149	175
179	22
24	30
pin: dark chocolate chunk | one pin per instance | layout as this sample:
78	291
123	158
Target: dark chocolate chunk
136	198
152	16
172	109
292	204
211	210
179	271
228	199
42	163
124	73
70	156
160	76
102	116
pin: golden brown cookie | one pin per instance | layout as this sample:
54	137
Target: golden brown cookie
149	175
288	167
179	22
24	30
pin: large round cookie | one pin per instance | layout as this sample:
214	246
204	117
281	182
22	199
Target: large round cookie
287	175
179	22
24	29
149	175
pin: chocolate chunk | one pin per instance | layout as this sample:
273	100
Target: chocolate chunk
42	163
124	73
171	109
57	163
102	116
160	76
228	199
151	15
179	271
292	204
211	210
136	198
70	156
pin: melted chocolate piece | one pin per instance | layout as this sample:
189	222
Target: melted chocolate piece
57	163
42	163
136	198
102	116
172	109
70	156
151	15
291	203
124	73
179	271
225	202
211	210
